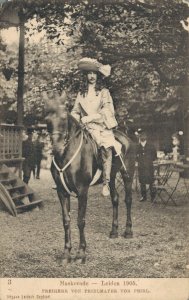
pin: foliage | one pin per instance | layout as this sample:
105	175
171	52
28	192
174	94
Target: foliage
46	66
7	86
142	40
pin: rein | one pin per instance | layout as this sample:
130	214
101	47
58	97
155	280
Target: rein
67	165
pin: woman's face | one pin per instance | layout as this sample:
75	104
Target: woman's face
35	135
175	141
92	77
24	135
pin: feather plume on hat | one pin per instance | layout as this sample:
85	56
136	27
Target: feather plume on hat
91	64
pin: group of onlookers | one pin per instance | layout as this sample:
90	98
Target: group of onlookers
32	151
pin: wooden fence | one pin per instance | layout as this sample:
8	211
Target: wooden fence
11	146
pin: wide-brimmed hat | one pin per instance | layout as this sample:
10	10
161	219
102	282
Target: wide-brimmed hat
91	64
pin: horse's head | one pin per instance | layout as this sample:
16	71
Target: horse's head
57	121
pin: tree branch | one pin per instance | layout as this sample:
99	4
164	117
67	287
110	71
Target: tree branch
181	81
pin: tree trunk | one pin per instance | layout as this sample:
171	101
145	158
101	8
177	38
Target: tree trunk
20	91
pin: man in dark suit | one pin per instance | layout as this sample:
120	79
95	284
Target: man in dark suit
39	145
28	152
146	154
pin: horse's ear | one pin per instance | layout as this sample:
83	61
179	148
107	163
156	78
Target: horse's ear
67	105
46	100
45	96
63	98
50	106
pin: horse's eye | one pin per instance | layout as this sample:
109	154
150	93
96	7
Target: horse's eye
49	127
49	124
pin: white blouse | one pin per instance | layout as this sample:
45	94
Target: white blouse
94	103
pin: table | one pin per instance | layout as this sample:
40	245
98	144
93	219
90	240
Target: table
161	167
165	171
181	168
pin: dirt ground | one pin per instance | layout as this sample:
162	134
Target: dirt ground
33	242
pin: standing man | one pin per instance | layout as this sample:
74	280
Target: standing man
146	154
39	145
28	152
94	108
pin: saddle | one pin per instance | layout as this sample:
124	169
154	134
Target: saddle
96	148
122	138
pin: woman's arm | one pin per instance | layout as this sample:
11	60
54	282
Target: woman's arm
97	118
107	110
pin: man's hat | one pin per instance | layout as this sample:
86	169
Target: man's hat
141	133
91	64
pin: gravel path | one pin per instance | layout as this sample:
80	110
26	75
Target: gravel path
33	242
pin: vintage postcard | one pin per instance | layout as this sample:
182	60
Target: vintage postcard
94	149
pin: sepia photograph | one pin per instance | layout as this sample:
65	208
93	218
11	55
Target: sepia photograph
94	149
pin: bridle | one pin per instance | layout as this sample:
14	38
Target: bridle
61	170
66	142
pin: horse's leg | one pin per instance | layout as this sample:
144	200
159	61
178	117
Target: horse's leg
128	201
115	204
65	203
82	205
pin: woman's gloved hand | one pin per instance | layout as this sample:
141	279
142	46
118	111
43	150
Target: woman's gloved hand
85	119
88	119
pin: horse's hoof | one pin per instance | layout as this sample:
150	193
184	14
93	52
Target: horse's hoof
128	235
80	260
80	257
64	261
113	235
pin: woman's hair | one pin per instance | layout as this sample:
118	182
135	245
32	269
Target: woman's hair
100	83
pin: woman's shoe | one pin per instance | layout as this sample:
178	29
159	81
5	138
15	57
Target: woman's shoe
142	199
106	190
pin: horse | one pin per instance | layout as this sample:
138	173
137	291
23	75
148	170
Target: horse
73	167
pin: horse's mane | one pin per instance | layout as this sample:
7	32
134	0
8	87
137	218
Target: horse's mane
87	135
74	121
79	126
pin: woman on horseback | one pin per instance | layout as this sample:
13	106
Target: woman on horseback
94	108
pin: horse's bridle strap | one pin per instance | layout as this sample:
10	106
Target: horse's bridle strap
68	164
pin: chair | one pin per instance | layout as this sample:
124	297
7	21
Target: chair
162	186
